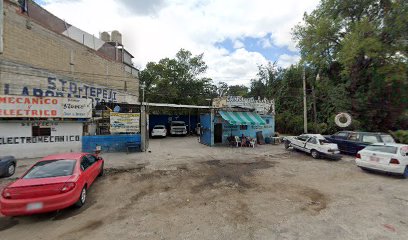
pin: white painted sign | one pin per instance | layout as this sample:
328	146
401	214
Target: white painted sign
18	139
263	107
124	122
63	87
44	107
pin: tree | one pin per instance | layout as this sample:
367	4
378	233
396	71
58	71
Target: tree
238	90
177	80
360	49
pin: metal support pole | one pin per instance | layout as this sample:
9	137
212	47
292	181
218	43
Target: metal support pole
304	101
143	133
1	26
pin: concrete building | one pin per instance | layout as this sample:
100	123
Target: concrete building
42	55
46	60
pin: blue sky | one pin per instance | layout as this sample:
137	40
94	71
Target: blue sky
236	36
262	45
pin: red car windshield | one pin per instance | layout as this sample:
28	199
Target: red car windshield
51	168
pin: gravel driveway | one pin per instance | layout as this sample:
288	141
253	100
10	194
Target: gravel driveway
184	190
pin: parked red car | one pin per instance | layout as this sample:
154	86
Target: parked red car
53	183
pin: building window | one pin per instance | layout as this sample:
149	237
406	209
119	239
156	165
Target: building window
243	127
40	131
267	121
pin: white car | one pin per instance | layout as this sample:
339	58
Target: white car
315	144
390	157
159	131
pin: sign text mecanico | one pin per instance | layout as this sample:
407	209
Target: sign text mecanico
44	107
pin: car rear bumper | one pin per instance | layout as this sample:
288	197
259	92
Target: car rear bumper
391	168
179	132
154	134
16	207
332	155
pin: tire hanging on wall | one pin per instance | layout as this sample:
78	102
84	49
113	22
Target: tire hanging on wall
343	124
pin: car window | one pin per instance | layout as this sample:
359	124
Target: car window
387	139
341	134
159	127
384	149
51	168
302	138
85	163
313	140
370	139
178	124
354	137
91	159
323	141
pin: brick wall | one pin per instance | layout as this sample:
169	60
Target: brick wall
28	43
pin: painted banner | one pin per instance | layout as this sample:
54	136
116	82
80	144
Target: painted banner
124	122
261	106
44	107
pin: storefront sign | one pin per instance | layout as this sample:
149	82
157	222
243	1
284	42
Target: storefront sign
40	139
124	122
263	107
44	107
60	87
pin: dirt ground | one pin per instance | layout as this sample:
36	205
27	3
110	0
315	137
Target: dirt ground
184	190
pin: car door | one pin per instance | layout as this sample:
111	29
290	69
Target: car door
353	142
94	167
340	138
296	143
85	171
312	144
300	143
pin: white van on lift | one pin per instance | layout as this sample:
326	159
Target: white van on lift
178	128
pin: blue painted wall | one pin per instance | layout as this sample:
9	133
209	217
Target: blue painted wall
234	130
206	136
109	143
165	120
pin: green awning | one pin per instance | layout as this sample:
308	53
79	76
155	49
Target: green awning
242	118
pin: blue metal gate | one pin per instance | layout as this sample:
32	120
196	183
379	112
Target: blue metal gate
205	122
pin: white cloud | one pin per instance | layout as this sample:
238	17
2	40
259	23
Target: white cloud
286	60
238	44
160	29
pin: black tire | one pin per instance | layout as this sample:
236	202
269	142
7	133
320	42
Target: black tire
11	169
101	171
315	154
287	144
366	170
405	174
82	198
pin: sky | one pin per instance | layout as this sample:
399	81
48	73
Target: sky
235	35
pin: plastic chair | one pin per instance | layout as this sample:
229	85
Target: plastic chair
237	141
252	143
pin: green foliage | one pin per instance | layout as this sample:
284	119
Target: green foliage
401	136
178	80
359	48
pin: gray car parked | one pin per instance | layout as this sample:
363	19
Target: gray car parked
7	166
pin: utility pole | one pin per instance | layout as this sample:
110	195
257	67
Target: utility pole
304	101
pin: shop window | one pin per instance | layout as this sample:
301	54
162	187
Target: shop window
40	131
243	127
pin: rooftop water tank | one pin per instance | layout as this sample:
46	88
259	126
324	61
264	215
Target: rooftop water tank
116	37
104	36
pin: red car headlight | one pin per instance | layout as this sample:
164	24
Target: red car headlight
6	193
67	187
